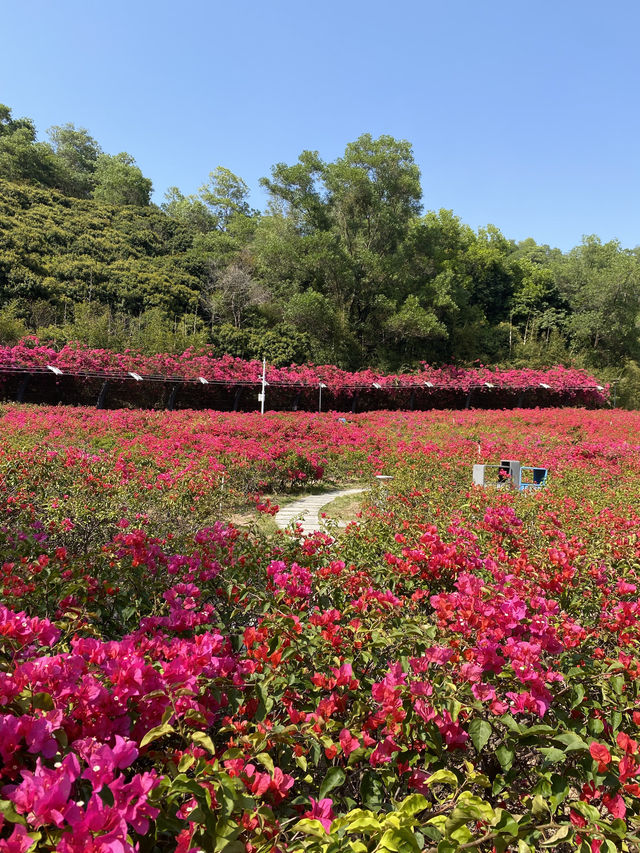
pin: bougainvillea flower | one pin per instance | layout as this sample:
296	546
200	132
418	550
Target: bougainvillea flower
322	812
601	754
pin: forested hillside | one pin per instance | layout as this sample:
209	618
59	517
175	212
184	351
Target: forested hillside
343	267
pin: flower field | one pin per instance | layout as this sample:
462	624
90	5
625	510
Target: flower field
457	670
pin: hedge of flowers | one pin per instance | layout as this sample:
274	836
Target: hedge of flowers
457	670
76	358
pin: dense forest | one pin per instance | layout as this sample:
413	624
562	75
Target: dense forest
344	266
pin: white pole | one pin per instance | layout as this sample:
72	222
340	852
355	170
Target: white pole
264	383
321	385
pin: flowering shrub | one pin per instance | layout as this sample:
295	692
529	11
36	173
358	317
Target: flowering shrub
77	358
458	670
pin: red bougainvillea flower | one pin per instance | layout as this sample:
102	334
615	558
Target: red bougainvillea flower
628	744
601	754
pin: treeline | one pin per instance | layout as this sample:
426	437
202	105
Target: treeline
342	267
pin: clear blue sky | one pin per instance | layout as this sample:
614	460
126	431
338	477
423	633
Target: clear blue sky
521	114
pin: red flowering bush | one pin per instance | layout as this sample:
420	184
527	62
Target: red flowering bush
457	670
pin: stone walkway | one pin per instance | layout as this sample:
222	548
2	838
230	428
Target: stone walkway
306	510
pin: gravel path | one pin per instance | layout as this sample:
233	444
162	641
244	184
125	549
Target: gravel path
306	510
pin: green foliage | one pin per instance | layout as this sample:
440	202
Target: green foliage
342	266
628	390
12	327
281	346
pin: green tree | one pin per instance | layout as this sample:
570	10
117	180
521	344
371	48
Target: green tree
350	219
226	196
492	277
602	284
412	323
77	153
22	158
536	301
315	315
189	210
373	193
298	192
120	181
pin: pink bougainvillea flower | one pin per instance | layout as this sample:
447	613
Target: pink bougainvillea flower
615	805
18	842
321	811
348	742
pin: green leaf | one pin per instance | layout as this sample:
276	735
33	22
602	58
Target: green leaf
619	827
311	827
552	754
360	820
265	759
510	723
506	823
578	690
43	701
204	740
399	841
480	731
558	836
265	704
505	756
538	729
559	790
572	741
617	682
413	804
590	812
235	752
595	726
334	779
539	807
469	807
443	777
157	732
372	790
186	762
462	834
229	845
106	795
7	810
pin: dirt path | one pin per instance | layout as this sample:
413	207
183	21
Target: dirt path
306	510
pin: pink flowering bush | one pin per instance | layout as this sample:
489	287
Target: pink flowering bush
570	383
457	670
